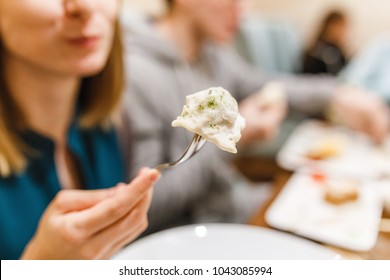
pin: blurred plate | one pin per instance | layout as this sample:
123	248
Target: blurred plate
301	208
356	153
223	242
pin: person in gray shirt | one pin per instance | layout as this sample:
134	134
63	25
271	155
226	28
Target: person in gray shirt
183	52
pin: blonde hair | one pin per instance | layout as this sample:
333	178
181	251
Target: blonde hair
100	97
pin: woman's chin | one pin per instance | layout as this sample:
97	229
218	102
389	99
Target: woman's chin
88	65
89	69
84	73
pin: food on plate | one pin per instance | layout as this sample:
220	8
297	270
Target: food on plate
325	148
341	191
318	176
213	114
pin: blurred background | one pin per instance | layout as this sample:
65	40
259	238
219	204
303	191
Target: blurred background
334	41
368	19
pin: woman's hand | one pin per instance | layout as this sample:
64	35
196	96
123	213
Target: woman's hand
93	224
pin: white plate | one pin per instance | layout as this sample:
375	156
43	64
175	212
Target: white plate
300	208
223	242
358	154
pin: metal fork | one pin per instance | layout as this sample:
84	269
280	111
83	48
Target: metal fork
196	144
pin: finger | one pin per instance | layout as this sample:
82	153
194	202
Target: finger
369	121
133	224
77	200
383	123
111	210
378	127
142	170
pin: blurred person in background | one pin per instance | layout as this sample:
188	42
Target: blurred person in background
186	50
60	89
326	54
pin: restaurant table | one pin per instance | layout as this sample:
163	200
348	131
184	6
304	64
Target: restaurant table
250	168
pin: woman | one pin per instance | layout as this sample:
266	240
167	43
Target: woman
60	86
327	55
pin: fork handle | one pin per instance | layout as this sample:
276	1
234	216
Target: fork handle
162	166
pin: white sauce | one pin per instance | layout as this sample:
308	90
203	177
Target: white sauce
213	114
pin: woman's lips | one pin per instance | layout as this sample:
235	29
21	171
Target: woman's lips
89	42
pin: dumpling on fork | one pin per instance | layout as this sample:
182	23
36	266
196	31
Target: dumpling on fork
213	114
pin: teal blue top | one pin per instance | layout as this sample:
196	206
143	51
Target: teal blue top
24	197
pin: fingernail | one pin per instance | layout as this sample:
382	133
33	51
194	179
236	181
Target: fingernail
154	175
143	170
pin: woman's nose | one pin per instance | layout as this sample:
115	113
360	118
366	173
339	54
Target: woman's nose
79	8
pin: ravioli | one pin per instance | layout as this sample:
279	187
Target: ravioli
213	114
